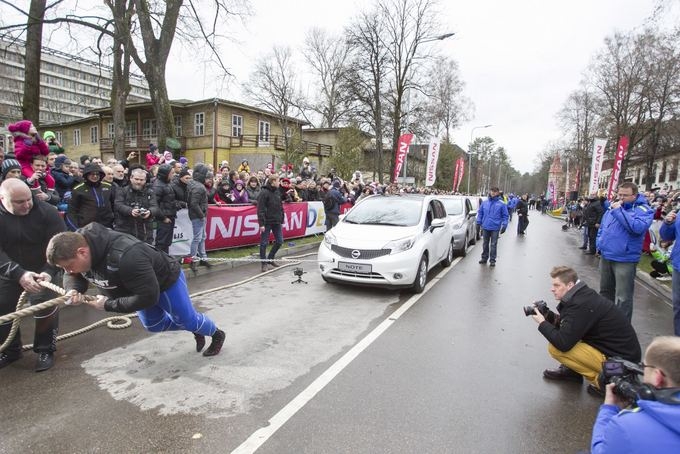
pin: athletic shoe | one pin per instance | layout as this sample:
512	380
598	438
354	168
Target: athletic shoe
216	344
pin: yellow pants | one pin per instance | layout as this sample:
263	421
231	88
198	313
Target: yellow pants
582	358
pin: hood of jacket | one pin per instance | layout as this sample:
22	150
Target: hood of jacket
200	173
164	172
91	168
98	239
664	414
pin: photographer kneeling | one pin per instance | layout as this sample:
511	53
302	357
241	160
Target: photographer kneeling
587	330
653	426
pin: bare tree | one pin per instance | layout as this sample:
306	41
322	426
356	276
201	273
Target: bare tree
327	55
446	106
30	106
273	86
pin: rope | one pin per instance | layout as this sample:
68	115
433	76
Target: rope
117	321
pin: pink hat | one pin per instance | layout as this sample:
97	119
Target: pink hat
20	126
167	155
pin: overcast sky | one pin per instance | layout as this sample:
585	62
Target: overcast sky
519	59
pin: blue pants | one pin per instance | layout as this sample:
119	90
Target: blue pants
489	245
676	301
277	230
617	282
174	312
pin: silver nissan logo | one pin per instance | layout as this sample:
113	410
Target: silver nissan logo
356	254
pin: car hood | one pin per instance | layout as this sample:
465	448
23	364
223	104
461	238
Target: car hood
370	236
456	218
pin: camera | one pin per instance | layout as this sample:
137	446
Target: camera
297	271
626	378
540	306
143	211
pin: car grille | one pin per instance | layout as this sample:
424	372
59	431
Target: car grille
366	254
367	276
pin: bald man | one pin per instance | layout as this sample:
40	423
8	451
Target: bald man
27	225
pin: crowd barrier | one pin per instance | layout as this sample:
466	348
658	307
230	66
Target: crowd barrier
236	225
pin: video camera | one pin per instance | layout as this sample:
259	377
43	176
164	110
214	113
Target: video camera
626	378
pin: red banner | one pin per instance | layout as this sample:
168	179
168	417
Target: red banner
461	172
400	157
616	170
455	177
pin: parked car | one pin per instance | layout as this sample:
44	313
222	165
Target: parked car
476	202
463	221
388	241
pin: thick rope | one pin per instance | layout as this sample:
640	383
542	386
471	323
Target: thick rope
117	321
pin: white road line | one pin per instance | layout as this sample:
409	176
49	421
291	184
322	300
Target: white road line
260	436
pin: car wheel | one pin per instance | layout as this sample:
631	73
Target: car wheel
449	256
463	251
421	276
474	237
324	278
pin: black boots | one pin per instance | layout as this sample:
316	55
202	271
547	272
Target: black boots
216	344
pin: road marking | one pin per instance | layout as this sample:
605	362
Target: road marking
260	436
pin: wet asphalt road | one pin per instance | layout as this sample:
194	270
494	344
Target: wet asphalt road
460	371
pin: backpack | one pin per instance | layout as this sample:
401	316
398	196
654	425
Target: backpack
328	202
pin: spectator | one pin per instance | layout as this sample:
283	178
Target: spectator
244	167
27	225
38	182
11	169
239	193
167	158
306	172
167	206
669	232
197	202
2	156
136	207
153	156
653	426
210	188
493	219
90	200
253	189
619	240
522	214
288	193
84	160
333	199
270	216
63	180
312	191
27	143
592	217
120	179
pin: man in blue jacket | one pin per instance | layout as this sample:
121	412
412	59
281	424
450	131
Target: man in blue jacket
653	425
493	218
670	231
619	240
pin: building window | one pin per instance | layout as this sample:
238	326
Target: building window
662	175
199	124
673	174
60	137
130	129
76	137
263	133
236	125
111	130
149	128
178	125
94	134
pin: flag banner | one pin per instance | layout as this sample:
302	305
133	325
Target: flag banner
402	149
616	170
552	194
455	178
596	166
461	164
432	157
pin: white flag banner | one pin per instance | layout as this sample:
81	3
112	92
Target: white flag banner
596	166
432	157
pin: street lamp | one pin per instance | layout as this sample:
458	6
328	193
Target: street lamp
470	153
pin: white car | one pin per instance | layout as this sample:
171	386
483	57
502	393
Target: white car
388	241
464	221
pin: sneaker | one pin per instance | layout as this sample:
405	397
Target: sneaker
205	263
200	341
216	344
492	263
664	278
265	267
563	373
482	262
8	358
595	391
273	264
45	361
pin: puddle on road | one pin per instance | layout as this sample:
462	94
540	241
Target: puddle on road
276	332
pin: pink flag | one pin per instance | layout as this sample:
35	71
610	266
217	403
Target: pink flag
461	164
616	170
402	149
454	187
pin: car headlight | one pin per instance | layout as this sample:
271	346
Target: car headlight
401	245
329	239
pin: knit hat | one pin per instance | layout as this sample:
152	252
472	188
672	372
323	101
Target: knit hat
184	172
336	184
167	155
183	160
49	135
60	161
22	126
9	164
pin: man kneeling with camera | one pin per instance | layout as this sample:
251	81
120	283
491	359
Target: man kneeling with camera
586	330
652	427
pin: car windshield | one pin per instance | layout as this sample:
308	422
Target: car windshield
453	206
397	211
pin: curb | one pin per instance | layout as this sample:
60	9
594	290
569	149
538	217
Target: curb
662	289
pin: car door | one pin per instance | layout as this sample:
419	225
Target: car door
441	236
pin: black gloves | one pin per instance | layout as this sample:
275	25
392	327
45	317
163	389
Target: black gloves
502	230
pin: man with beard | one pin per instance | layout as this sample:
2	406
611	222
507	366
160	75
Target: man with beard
136	207
27	225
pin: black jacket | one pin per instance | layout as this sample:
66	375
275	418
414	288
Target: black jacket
131	273
197	200
269	206
593	212
586	316
24	239
127	199
165	195
522	208
63	182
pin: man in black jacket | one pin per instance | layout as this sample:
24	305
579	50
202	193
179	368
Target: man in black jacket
592	216
522	209
136	207
167	206
27	225
587	330
90	200
270	217
135	277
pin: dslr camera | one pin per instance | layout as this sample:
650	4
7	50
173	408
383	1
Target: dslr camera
540	306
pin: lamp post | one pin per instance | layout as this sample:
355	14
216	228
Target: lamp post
470	154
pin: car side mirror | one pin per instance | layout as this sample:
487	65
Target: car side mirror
472	214
436	223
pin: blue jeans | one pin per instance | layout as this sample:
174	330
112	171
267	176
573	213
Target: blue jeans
489	246
676	301
277	230
617	282
198	242
174	311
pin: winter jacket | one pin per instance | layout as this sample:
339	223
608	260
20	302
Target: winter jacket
197	200
90	202
165	195
269	206
253	193
337	198
584	315
522	208
24	240
651	428
26	146
669	232
127	199
623	229
152	160
240	197
131	273
493	214
63	182
593	212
